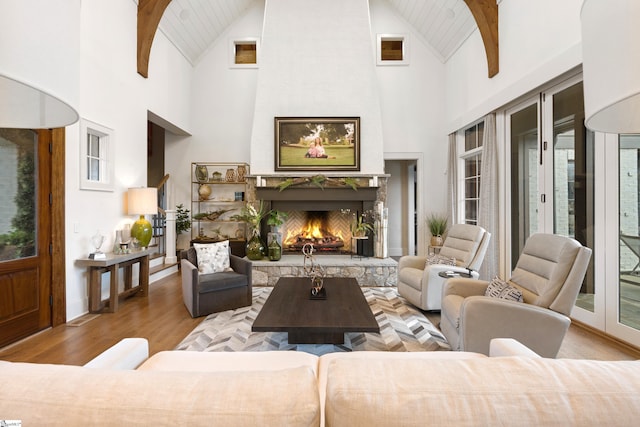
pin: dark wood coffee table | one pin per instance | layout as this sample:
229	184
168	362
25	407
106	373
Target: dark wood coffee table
289	309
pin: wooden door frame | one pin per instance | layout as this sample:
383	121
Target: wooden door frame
58	264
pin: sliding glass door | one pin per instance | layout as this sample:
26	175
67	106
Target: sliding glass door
551	171
628	300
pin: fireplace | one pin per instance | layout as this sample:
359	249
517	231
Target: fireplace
327	231
321	216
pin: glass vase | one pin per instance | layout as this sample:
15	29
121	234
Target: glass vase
255	247
274	248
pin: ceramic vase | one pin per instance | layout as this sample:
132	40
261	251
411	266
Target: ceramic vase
204	191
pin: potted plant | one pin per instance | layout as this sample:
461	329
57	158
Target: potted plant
275	219
183	221
359	227
437	224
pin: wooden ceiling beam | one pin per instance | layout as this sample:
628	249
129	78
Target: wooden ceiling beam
149	15
485	12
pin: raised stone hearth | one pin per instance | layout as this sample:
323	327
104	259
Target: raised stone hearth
367	271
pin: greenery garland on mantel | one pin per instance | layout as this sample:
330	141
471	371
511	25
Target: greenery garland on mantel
319	181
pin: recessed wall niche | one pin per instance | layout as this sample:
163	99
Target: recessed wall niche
243	53
392	49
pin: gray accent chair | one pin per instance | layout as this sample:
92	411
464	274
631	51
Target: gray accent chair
204	294
421	285
549	273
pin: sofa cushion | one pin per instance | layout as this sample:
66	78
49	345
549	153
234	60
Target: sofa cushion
483	392
205	361
498	288
212	257
57	395
220	281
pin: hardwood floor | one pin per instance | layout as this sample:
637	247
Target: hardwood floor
164	321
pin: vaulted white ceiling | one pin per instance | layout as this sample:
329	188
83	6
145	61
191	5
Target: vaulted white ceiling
193	25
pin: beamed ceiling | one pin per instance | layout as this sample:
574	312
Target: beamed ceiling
194	25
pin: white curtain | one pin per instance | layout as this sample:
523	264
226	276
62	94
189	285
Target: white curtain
488	209
452	181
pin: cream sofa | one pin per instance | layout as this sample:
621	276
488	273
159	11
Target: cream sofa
512	387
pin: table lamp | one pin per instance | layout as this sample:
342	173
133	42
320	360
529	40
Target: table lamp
142	201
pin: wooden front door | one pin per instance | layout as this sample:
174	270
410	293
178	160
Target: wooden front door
25	233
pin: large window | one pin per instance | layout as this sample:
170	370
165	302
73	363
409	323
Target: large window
472	156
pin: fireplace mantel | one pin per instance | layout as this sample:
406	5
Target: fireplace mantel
333	194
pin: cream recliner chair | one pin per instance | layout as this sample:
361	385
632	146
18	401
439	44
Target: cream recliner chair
421	285
549	274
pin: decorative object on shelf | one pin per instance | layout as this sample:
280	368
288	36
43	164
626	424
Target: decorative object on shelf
202	173
437	224
255	247
241	173
211	216
231	175
142	201
97	240
204	191
319	181
121	243
315	272
274	248
216	176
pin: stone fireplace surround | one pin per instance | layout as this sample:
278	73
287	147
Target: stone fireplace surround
369	271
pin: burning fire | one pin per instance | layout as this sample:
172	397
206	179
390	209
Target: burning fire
314	231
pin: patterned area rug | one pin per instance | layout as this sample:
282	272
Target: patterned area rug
402	328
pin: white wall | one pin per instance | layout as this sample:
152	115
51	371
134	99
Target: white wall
317	61
412	99
114	95
221	106
538	41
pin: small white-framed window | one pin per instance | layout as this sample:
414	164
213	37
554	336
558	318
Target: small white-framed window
392	49
471	155
96	157
244	52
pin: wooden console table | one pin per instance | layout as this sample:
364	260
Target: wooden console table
112	263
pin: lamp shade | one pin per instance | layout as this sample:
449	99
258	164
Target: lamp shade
142	201
611	65
26	107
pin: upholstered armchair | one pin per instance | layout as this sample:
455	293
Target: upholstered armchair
549	274
208	293
421	284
